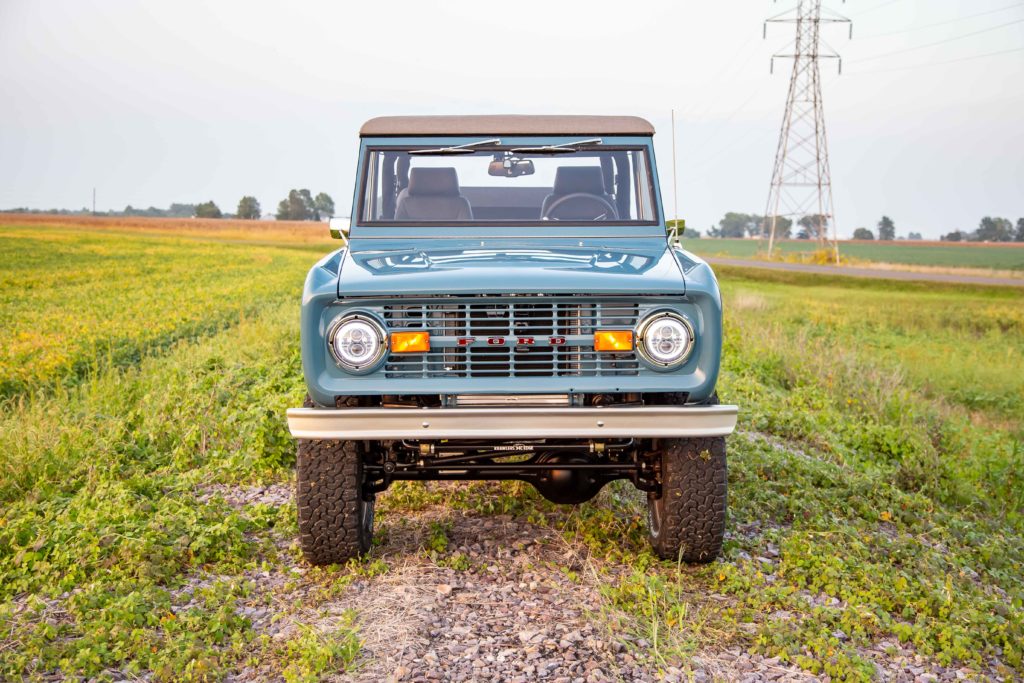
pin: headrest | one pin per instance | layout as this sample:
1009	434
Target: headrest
572	179
433	182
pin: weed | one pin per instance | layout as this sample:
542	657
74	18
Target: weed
876	488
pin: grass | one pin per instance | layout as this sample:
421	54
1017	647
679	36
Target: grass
74	301
876	484
871	495
933	254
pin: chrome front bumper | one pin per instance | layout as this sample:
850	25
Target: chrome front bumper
641	422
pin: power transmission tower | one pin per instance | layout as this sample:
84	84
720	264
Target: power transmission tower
801	180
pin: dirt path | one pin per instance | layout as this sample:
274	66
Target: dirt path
503	600
530	607
878	273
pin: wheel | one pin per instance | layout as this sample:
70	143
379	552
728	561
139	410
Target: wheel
335	521
687	521
335	517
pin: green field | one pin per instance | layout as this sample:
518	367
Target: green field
992	256
876	481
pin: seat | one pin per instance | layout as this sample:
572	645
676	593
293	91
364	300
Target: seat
578	180
432	195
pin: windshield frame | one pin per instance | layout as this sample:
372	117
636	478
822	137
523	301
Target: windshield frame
640	144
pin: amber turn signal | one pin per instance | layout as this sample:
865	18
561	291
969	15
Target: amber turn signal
613	340
410	342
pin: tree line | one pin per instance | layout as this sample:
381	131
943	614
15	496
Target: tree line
739	225
735	225
299	205
990	230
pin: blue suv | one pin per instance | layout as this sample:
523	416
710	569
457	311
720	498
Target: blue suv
509	305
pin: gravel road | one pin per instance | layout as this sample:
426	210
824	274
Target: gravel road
878	273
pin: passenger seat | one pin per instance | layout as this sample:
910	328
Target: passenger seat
433	195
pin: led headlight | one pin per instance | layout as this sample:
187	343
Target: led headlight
356	342
665	339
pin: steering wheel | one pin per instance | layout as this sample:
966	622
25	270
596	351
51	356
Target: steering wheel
580	206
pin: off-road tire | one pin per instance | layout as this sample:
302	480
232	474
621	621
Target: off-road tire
687	521
335	519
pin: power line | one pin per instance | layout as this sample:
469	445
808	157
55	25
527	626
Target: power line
941	23
939	42
872	9
722	122
948	61
706	105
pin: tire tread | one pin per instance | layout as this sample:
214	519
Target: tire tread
694	500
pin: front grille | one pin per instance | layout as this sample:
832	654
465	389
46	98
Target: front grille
556	318
569	354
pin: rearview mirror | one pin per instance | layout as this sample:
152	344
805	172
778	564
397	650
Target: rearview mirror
339	228
510	167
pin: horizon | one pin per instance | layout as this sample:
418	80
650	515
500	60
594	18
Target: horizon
194	103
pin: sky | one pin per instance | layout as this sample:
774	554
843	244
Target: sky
153	103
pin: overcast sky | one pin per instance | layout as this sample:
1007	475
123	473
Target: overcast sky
154	103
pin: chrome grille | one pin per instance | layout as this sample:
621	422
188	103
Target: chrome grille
513	318
573	322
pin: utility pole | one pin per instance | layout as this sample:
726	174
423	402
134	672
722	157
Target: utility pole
801	180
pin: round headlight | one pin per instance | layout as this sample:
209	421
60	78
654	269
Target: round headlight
356	342
665	339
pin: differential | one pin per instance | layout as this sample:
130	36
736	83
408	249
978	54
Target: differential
569	485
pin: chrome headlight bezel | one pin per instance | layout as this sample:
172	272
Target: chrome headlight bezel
373	361
641	340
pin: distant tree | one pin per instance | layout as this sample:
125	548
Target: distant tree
248	208
182	210
863	234
208	210
886	229
783	227
914	236
1019	236
298	206
993	230
955	236
813	226
737	224
323	206
713	231
307	200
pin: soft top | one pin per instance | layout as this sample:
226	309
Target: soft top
505	125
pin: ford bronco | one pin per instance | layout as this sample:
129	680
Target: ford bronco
508	304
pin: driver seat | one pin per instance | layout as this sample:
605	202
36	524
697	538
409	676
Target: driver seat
576	180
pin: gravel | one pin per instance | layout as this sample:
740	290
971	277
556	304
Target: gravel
514	615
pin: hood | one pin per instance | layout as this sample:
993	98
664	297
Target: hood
431	267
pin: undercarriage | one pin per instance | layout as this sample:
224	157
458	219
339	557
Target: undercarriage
567	448
562	471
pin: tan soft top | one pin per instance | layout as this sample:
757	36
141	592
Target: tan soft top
506	125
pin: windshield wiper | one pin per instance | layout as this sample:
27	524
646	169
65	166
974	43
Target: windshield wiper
564	148
467	148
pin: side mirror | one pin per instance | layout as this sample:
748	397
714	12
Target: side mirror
675	229
339	228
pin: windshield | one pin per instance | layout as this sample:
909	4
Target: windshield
481	182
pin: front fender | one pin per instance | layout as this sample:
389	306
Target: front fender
319	292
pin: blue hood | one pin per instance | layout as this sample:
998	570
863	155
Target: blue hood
374	267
